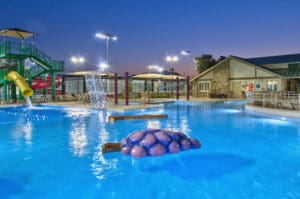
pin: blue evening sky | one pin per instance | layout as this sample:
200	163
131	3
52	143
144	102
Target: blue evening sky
148	30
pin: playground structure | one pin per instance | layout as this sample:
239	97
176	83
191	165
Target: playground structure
14	55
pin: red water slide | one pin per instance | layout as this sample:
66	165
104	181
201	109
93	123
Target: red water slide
39	83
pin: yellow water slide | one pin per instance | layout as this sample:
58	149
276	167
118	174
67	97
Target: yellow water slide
20	82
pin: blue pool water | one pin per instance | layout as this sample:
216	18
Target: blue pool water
55	152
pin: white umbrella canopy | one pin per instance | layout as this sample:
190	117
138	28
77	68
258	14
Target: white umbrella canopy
92	72
149	76
173	77
158	76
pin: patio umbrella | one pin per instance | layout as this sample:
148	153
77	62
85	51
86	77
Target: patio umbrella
172	77
149	76
92	72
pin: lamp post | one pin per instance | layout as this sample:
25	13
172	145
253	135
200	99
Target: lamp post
107	37
172	59
186	53
78	61
159	70
103	66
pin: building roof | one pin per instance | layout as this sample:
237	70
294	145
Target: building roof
291	72
278	59
238	59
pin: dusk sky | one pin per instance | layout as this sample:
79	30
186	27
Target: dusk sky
149	30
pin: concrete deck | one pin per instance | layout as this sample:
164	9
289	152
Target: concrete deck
135	105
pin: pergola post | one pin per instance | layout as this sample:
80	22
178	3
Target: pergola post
53	86
177	88
187	88
116	88
126	89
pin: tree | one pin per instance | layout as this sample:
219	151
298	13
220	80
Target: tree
206	61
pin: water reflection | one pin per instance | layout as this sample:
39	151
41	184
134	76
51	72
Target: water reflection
23	131
78	112
101	167
153	124
184	125
78	138
27	129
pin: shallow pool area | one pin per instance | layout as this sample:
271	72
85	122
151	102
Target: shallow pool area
55	152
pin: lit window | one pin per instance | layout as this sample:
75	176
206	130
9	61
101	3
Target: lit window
204	86
272	85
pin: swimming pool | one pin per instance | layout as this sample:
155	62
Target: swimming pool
55	152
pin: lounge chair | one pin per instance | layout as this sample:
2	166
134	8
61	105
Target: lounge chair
269	104
144	98
280	105
294	106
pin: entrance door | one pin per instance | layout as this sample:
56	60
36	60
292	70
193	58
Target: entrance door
236	89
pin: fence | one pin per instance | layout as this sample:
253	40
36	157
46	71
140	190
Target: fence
277	100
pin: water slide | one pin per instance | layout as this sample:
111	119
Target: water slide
40	84
20	83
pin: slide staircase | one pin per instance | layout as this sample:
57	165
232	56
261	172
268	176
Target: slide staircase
44	63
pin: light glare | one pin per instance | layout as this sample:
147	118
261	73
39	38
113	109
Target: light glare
185	52
104	66
77	60
172	58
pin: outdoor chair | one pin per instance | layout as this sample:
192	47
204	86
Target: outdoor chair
294	106
280	105
145	98
269	104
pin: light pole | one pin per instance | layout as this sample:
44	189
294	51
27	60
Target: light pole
159	70
172	59
78	61
186	53
107	37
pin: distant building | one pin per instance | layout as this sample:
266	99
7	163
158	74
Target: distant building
234	76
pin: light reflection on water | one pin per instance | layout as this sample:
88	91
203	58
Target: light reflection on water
101	167
153	124
78	138
27	129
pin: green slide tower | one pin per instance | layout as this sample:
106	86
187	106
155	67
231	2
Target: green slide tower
15	51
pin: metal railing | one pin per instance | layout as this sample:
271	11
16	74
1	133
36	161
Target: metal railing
28	50
278	100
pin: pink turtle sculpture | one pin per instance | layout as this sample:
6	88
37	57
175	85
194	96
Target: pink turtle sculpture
153	142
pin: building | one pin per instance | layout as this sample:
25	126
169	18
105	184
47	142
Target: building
234	76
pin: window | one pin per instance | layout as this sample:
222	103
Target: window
204	86
272	85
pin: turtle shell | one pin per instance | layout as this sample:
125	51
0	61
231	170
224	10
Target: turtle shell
156	142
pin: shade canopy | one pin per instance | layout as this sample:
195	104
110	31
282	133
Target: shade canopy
16	32
148	76
173	77
92	72
158	76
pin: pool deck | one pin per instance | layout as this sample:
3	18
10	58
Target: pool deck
154	103
158	102
272	111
